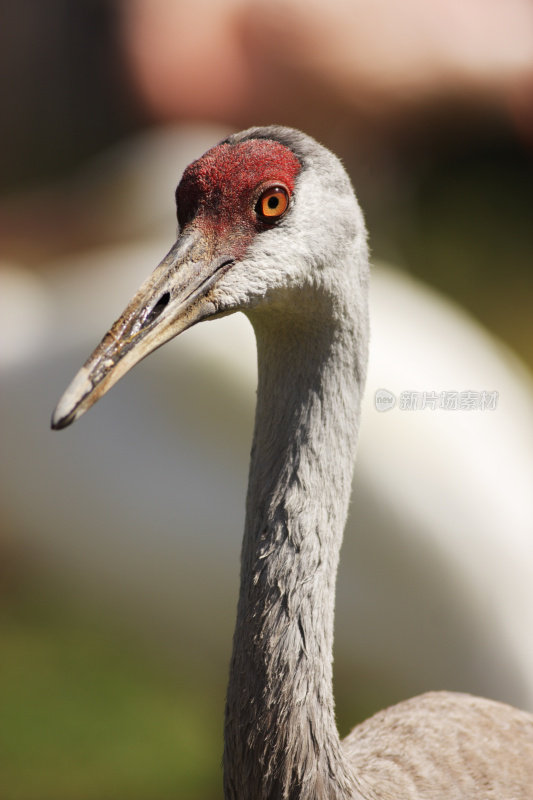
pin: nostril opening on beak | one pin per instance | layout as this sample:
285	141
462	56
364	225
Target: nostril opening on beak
158	309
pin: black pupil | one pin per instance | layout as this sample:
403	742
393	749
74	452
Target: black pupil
273	202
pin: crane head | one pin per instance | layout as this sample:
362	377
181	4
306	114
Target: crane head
254	223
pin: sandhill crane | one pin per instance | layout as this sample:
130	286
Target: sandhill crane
270	226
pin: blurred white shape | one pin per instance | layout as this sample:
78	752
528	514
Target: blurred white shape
457	481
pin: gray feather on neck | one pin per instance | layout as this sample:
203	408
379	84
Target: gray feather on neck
281	737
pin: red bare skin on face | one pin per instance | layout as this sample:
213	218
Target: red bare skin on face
221	189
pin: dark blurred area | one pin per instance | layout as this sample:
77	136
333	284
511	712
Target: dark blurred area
442	160
64	88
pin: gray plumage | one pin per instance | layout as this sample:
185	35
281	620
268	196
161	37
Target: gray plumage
303	285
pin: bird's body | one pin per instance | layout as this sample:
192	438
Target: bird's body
270	226
444	746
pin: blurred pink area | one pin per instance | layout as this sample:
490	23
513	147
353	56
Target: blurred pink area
236	61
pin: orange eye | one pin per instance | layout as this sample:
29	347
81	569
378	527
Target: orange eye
273	203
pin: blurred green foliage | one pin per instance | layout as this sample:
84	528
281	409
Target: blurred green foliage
87	714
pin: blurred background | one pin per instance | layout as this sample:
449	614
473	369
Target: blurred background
120	537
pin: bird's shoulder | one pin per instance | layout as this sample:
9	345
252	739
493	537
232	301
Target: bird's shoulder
444	745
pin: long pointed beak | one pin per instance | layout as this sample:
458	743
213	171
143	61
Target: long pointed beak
175	296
